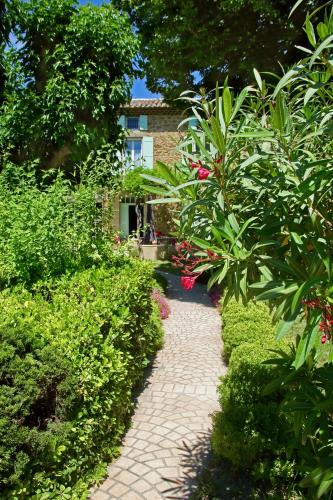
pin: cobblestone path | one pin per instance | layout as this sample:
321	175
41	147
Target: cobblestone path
169	440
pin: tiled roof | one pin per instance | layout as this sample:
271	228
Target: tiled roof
147	103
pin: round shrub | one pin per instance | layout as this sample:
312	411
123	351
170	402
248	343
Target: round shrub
242	324
250	423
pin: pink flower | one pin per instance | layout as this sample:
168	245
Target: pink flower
188	282
163	306
203	173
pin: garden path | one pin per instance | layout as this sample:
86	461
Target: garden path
169	440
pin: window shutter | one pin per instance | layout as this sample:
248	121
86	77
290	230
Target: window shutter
148	152
143	122
122	121
193	122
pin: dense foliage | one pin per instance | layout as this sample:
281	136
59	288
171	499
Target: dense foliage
133	182
79	320
195	43
67	70
46	230
256	200
70	357
252	430
256	196
245	324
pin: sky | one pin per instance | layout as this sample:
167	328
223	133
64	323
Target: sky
139	89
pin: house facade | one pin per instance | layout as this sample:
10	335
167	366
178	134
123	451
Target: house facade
152	135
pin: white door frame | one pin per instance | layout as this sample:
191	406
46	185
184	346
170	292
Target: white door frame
124	217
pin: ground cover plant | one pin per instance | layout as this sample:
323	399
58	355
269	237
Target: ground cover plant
256	210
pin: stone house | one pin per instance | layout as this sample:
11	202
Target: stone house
152	135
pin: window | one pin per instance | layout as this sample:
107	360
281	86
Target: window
132	122
134	151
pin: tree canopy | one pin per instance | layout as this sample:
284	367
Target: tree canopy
66	71
195	43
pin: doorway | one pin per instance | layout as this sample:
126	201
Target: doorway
128	218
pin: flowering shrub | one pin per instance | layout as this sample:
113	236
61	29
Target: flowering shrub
260	220
162	303
326	322
265	209
191	262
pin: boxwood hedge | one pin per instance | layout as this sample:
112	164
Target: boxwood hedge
242	324
70	355
251	428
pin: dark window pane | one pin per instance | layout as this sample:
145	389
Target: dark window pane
133	122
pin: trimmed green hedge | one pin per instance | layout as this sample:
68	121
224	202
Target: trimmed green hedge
251	428
70	356
243	324
250	424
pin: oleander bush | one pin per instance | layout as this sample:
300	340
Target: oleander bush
71	353
255	200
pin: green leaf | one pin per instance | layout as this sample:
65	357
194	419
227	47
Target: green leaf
258	78
310	93
252	159
297	4
227	105
324	45
285	80
274	293
239	101
284	326
219	139
303	290
307	343
310	31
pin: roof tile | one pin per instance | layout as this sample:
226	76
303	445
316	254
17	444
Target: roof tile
147	103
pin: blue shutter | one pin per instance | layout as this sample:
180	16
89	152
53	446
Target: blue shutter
148	152
143	122
193	122
122	121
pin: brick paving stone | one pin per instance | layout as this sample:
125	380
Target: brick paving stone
141	486
169	440
118	490
101	495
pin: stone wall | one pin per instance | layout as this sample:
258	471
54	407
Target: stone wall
163	127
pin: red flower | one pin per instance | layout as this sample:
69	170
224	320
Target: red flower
323	338
188	282
203	173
